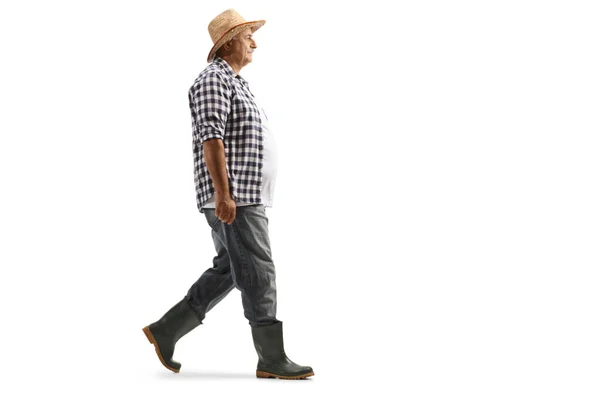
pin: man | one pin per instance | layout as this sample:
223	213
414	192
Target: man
235	164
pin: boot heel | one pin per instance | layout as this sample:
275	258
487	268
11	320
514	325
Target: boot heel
261	374
148	335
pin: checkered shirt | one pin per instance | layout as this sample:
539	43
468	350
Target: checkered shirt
223	107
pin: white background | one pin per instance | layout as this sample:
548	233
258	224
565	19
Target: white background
435	227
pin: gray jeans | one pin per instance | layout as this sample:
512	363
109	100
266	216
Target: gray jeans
243	261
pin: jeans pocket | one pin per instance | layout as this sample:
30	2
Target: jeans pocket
212	219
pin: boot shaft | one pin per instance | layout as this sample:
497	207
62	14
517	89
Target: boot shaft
268	342
176	322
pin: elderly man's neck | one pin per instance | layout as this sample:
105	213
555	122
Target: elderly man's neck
236	66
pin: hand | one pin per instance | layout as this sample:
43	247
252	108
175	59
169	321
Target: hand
225	209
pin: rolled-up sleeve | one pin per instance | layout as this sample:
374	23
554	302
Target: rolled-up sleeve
209	100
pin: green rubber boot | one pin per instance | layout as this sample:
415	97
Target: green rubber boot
272	360
165	332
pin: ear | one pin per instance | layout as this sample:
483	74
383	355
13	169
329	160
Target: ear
228	45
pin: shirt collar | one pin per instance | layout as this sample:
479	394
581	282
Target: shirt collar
227	68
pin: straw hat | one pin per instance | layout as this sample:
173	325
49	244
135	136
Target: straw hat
225	26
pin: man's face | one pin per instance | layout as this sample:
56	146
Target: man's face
243	47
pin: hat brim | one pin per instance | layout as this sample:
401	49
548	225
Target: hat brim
254	25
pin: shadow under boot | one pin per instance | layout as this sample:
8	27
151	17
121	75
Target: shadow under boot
272	360
165	332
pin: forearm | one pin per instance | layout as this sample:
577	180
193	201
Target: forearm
214	155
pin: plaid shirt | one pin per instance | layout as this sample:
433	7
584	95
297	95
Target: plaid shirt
223	107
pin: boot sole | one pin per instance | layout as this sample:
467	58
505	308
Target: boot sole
153	341
263	374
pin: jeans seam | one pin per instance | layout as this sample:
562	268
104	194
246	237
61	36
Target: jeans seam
221	284
245	268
